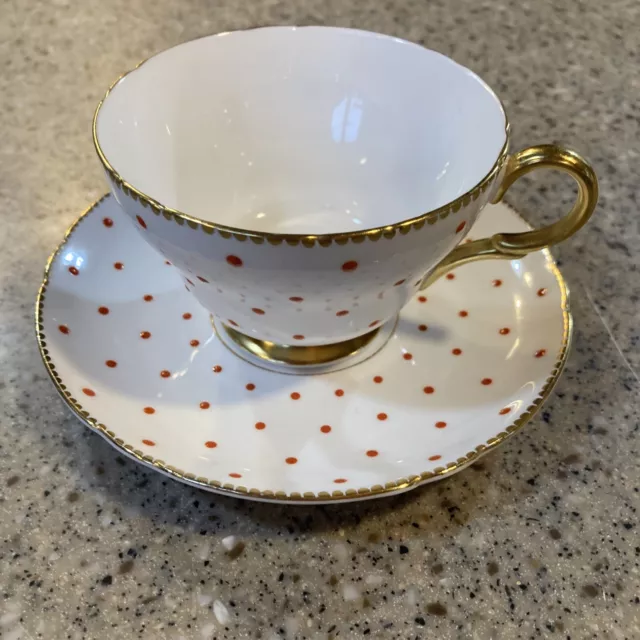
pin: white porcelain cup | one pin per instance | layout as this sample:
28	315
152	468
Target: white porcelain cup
308	181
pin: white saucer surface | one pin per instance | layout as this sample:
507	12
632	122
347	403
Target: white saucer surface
135	356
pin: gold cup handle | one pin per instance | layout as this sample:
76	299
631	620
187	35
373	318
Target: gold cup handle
510	246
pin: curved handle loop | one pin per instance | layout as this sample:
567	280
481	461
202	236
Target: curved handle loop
509	246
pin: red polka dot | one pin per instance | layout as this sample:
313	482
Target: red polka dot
260	426
344	312
234	261
296	299
291	460
460	227
298	336
378	379
503	412
149	443
372	453
165	374
260	312
434	458
456	351
148	297
440	425
216	369
407	356
497	282
103	310
194	343
73	271
350	265
339	393
374	323
118	265
88	392
325	428
233	323
112	364
202	279
340	480
210	444
428	390
149	410
397	284
422	299
167	262
107	222
542	292
141	222
382	416
295	396
235	475
541	353
204	405
145	335
250	386
451	276
186	316
422	327
63	329
463	313
486	381
504	331
190	282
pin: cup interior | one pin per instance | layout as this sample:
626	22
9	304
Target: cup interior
301	130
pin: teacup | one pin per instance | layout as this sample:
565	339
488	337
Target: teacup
306	182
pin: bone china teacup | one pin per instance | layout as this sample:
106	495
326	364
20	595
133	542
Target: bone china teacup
306	182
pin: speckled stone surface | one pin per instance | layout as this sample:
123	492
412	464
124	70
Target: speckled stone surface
539	539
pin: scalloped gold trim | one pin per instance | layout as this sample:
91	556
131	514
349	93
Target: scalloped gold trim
397	486
293	239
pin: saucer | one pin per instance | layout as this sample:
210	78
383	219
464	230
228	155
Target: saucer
135	357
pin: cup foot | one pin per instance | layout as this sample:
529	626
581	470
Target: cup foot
296	360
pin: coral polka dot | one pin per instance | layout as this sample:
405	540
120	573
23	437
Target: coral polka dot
141	222
145	335
73	271
298	336
460	227
88	392
295	396
434	458
422	327
339	392
107	222
202	279
372	453
408	356
186	316
210	444
541	353
119	266
165	374
149	410
503	412
374	323
260	426
504	331
149	443
350	265
422	299
325	428
429	390
204	405
497	282
382	416
63	329
296	299
216	368
190	282
194	343
397	284
234	261
378	379
260	312
542	292
112	364
291	460
340	480
235	475
250	386
486	381
456	351
440	425
148	297
451	276
167	262
344	312
103	310
233	323
463	313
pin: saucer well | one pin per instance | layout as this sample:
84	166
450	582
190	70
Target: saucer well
135	357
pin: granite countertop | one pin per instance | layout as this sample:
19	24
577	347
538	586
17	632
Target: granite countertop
538	539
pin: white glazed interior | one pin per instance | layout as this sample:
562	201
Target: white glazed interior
301	130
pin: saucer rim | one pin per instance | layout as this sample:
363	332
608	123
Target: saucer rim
390	488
